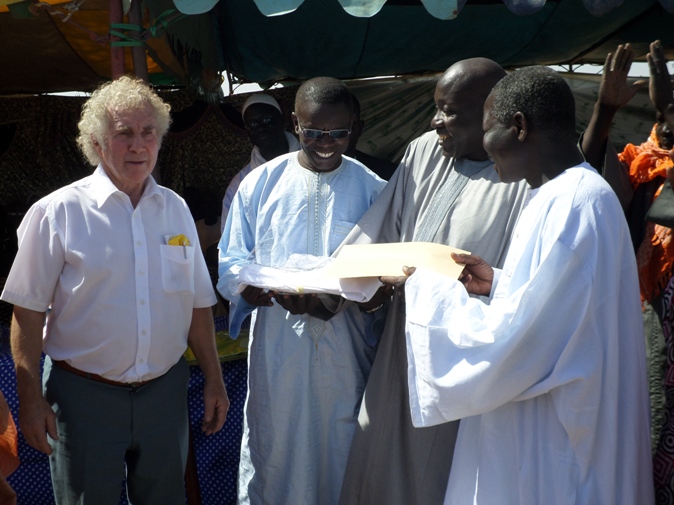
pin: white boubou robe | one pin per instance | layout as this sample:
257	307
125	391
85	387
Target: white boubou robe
549	379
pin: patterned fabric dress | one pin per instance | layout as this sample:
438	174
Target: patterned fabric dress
663	460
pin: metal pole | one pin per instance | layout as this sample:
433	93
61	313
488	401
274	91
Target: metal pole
138	52
116	53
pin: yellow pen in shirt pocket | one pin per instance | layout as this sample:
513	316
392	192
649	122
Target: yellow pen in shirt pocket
177	269
180	240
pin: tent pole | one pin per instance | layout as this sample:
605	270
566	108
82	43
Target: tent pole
138	52
116	53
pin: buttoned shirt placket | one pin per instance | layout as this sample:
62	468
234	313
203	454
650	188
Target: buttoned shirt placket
141	280
316	237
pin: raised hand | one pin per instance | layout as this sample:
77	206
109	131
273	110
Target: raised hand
614	90
660	84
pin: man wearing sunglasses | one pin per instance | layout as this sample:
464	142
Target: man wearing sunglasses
263	121
307	371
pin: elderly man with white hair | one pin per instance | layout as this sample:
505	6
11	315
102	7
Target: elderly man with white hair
109	263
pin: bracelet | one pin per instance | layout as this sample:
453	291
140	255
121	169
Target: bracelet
370	311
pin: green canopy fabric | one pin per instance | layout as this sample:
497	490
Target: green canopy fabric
299	39
319	37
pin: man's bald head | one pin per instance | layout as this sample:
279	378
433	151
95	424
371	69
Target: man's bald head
459	97
474	76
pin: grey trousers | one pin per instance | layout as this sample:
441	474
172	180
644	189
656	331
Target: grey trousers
109	432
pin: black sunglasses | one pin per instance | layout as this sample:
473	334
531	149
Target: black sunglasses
263	121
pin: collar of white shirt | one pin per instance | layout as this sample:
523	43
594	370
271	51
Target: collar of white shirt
103	187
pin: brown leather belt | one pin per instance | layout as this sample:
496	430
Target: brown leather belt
95	377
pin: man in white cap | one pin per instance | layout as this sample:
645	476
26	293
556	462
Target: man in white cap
263	120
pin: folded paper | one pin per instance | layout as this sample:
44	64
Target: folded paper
378	260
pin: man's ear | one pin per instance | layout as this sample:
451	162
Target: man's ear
97	145
296	123
521	126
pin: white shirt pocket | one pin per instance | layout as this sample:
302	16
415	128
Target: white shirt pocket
177	268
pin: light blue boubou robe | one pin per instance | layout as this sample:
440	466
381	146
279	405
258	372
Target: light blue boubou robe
306	376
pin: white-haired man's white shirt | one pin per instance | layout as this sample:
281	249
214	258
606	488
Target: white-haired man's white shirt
119	298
